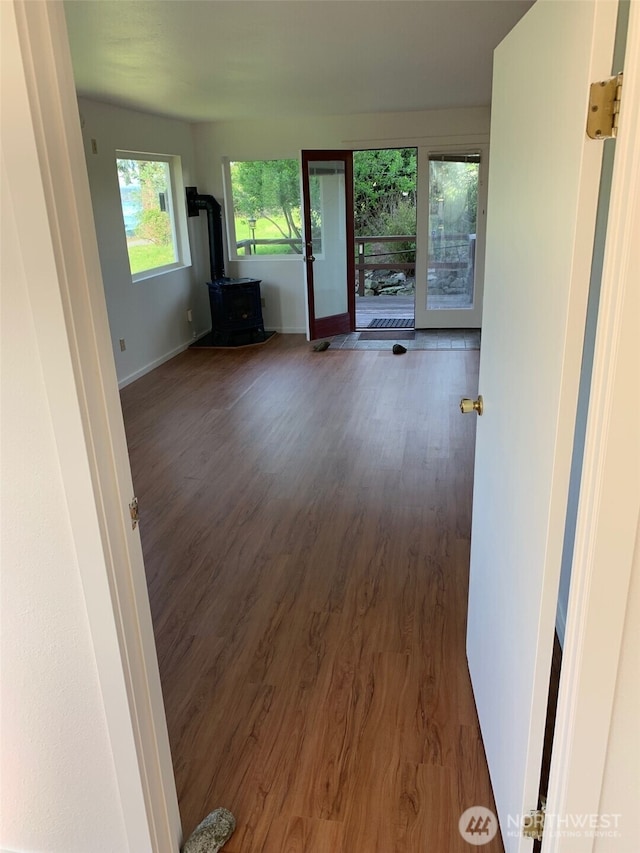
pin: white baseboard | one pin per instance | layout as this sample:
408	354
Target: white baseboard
137	374
291	330
127	380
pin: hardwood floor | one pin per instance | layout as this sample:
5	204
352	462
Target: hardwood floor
305	526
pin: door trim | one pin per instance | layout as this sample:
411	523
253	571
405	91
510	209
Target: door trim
339	323
45	151
609	506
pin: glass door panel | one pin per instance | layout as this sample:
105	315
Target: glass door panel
328	234
453	208
451	225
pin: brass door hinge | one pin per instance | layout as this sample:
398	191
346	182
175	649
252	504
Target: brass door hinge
604	108
134	513
533	823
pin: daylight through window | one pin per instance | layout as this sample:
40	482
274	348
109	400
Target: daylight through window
148	212
266	207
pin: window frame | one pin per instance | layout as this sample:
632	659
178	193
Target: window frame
178	216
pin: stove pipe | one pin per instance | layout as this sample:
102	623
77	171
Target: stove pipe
197	202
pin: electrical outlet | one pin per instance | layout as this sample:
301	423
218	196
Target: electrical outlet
123	345
189	315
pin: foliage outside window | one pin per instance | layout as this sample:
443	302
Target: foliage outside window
453	205
453	210
149	216
266	206
384	201
384	191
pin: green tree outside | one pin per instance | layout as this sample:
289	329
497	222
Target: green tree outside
269	190
384	189
385	192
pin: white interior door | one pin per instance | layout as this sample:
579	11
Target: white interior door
543	190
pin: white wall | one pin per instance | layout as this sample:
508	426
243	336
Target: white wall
151	315
283	285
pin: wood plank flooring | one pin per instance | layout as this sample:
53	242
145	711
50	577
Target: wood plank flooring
305	526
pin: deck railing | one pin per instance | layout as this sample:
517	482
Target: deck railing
363	265
249	246
455	251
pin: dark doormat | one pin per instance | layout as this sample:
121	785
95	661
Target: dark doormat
233	341
388	335
394	323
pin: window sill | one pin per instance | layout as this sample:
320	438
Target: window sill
253	258
158	271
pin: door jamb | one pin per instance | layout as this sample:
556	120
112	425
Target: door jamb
609	506
67	297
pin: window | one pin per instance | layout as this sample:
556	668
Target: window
265	200
150	222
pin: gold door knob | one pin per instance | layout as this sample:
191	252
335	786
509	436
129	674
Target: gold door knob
467	405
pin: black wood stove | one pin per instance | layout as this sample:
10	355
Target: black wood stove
236	309
236	305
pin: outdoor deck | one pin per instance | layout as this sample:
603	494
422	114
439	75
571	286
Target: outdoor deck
369	308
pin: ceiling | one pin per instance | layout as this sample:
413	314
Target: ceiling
202	60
